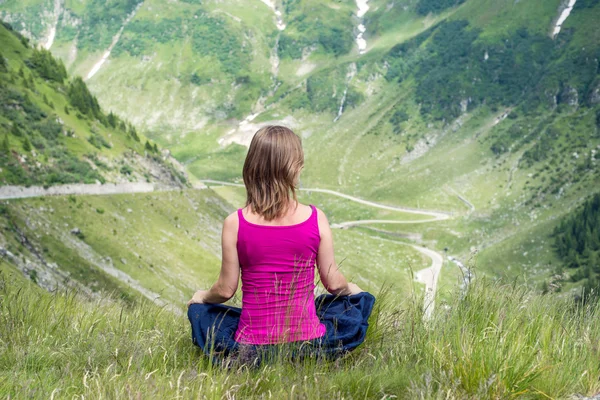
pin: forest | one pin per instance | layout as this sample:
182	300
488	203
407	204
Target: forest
577	243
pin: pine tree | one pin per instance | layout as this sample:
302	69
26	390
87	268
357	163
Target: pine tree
155	148
21	73
66	109
47	66
148	147
15	130
5	145
81	98
27	145
112	119
3	65
133	133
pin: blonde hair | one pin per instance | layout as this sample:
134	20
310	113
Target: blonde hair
273	163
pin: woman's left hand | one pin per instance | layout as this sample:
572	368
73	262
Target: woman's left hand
198	297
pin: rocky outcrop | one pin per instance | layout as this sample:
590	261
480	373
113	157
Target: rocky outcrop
569	96
593	97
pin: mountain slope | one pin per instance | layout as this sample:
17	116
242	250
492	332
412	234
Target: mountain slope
53	131
475	107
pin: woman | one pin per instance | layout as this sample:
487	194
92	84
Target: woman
275	242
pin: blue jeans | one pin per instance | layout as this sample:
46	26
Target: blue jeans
345	317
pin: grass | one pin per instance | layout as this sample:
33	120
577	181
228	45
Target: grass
168	242
498	341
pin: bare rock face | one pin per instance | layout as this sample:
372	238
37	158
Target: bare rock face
551	96
594	94
569	96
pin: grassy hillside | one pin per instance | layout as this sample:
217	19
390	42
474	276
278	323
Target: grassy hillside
53	131
471	107
163	245
499	341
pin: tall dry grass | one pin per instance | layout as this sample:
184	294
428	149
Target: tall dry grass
497	341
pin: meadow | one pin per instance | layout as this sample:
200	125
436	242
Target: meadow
497	340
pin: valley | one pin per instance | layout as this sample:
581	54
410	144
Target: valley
479	156
453	144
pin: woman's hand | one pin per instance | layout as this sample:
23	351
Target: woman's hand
198	297
354	289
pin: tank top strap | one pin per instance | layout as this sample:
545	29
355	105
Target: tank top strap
314	215
240	216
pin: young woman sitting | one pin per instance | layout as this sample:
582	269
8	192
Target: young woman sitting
275	243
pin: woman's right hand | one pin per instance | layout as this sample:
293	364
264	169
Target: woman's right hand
354	289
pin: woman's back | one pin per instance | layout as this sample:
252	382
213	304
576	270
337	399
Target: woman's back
277	266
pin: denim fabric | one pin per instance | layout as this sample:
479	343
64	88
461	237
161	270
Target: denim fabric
346	319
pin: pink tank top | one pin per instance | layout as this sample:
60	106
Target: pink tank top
278	282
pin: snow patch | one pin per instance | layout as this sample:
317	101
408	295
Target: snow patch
563	17
56	14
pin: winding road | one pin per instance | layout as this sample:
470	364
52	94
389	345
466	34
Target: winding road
428	276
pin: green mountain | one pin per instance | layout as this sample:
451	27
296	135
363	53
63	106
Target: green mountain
53	131
450	139
488	110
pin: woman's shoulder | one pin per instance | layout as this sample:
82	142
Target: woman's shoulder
322	220
320	213
231	221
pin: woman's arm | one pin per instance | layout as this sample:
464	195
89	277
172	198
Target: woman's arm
331	277
227	284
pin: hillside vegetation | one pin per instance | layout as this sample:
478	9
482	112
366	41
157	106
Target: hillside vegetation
53	131
161	245
498	341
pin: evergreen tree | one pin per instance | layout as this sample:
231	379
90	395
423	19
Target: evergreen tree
155	148
47	66
27	145
112	119
3	64
5	147
133	133
81	98
15	130
21	73
577	243
66	109
149	147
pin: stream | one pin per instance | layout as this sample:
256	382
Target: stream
114	42
563	17
56	15
363	7
349	75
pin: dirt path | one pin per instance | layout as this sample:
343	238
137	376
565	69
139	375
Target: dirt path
428	276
